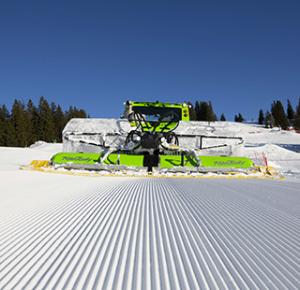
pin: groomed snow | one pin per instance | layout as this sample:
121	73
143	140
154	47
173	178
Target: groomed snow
69	232
74	232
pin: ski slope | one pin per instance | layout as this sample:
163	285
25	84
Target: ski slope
70	232
122	233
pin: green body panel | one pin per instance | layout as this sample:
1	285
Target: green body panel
226	162
166	161
185	116
169	161
93	158
147	126
75	158
125	159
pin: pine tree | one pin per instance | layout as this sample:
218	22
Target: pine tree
60	122
261	117
222	117
197	111
204	112
2	127
192	111
81	114
34	118
8	137
211	116
21	123
290	111
297	117
73	112
239	118
269	120
279	115
46	129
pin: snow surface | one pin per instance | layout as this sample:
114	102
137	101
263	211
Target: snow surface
74	232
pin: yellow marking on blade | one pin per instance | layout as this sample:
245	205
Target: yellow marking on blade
39	163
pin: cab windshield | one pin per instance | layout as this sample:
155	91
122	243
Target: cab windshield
158	114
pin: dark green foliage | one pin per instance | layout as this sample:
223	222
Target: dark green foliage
46	129
290	111
28	124
7	131
34	118
75	113
269	120
59	121
197	111
280	118
297	117
20	121
222	117
239	118
2	126
211	114
192	112
261	117
204	112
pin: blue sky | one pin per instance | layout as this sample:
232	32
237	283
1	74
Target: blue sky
241	55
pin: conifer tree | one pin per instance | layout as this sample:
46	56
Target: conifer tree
297	117
73	112
8	138
192	112
46	127
261	117
269	120
204	111
34	118
211	116
21	123
60	122
2	126
222	117
197	111
279	115
239	118
290	111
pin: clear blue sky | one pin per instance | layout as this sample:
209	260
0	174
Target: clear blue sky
241	55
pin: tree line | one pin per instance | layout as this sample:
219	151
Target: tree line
277	115
203	111
27	123
280	117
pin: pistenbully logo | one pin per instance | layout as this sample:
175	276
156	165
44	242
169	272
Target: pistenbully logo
229	163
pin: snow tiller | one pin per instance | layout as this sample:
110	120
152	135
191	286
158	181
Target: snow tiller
151	137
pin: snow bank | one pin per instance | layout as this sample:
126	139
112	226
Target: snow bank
12	158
